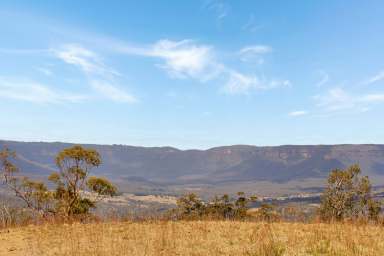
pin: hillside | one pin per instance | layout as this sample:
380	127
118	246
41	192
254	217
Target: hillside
239	164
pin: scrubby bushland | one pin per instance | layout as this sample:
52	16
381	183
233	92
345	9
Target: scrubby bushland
191	206
348	196
71	182
74	192
266	212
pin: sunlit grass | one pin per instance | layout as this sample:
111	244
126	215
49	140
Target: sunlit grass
194	238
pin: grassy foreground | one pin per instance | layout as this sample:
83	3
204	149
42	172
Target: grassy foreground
193	238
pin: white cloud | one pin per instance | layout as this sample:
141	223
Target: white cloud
185	59
239	83
337	99
34	92
256	49
254	53
112	92
83	58
376	78
92	65
298	113
182	59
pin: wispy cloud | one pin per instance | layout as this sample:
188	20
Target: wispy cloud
220	8
251	25
34	92
102	78
239	83
185	59
182	59
256	49
372	98
253	53
112	92
298	113
324	78
44	71
83	58
337	99
378	77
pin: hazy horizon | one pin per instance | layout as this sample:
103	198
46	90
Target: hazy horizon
180	148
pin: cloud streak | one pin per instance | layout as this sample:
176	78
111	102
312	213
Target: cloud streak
254	53
187	59
376	78
34	92
324	78
85	59
220	8
298	113
112	92
184	59
239	83
251	25
101	77
337	99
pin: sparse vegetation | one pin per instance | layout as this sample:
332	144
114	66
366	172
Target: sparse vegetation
191	206
224	225
71	181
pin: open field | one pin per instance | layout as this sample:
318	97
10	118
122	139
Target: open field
193	238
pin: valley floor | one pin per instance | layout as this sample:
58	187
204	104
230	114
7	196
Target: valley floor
193	238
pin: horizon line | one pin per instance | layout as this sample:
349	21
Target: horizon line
189	149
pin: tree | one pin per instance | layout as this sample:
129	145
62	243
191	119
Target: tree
33	193
242	204
348	196
75	192
190	206
72	180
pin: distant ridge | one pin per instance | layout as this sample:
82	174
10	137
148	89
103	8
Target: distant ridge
237	163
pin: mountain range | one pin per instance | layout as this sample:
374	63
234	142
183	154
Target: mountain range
220	166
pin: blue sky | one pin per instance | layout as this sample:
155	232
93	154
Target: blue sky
192	74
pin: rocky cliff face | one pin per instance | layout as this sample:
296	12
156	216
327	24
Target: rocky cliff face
216	165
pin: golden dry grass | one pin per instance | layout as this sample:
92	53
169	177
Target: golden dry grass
194	238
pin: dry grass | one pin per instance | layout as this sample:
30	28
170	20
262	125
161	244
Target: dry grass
193	238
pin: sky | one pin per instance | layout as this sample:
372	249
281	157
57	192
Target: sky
193	73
